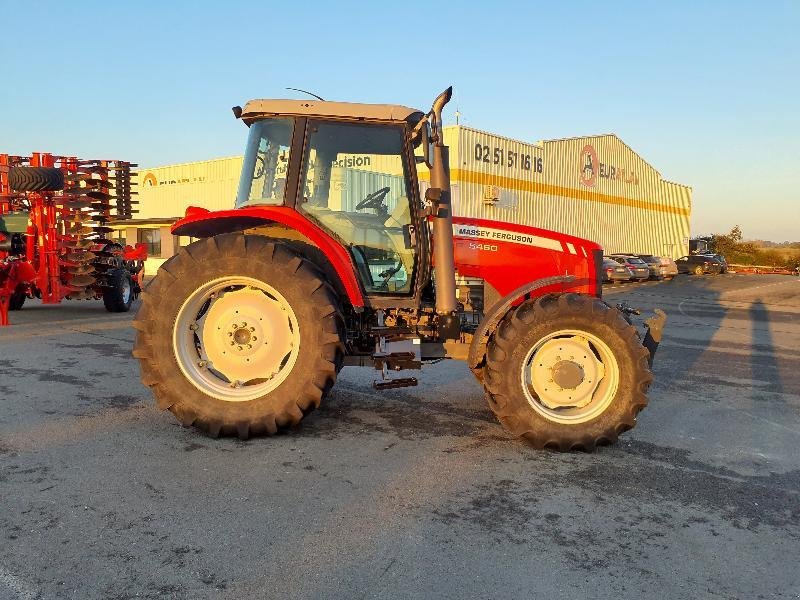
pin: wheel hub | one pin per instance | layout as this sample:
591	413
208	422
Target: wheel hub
568	374
236	338
564	372
236	330
242	336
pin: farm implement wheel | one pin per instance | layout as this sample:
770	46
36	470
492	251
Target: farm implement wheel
119	294
238	336
35	179
16	301
567	372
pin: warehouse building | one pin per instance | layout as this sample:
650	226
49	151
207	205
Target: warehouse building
595	187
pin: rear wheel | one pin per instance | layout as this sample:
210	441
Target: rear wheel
239	336
698	270
567	372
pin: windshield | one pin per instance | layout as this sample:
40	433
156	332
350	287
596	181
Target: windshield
266	162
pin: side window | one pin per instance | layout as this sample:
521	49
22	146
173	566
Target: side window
355	186
266	163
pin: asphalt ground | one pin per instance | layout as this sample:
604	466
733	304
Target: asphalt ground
411	493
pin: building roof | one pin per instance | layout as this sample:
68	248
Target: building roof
322	108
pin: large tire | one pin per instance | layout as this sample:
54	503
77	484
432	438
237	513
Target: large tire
35	179
119	296
16	301
543	329
280	295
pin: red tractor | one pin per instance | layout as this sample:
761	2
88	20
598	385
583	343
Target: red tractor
332	257
55	213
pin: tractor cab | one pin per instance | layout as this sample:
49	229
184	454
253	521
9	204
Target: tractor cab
353	175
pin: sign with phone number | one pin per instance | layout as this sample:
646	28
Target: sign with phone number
507	158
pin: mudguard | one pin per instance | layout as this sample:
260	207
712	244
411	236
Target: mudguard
493	316
200	222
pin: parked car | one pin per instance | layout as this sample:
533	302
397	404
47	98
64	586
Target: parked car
613	271
636	265
698	264
670	268
718	257
661	267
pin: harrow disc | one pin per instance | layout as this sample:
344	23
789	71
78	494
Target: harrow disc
79	257
82	280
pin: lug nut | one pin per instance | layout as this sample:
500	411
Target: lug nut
193	326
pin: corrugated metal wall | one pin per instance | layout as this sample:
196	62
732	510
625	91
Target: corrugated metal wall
165	192
593	187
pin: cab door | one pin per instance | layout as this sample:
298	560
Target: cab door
355	183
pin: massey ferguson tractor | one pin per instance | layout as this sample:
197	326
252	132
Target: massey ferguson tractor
54	224
331	258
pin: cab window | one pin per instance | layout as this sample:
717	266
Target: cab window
266	163
354	184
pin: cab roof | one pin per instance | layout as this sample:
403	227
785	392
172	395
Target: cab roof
255	109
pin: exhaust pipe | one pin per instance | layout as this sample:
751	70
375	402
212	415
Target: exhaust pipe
443	261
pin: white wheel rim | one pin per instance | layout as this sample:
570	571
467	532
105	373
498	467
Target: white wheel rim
236	338
570	376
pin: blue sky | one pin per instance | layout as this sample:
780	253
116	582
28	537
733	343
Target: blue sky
707	92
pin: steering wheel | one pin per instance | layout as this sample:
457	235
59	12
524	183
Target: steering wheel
374	200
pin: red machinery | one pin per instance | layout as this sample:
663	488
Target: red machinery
55	213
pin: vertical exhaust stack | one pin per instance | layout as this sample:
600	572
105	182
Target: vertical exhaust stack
443	262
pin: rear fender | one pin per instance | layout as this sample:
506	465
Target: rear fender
199	222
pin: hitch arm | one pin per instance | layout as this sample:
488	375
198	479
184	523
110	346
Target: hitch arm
655	329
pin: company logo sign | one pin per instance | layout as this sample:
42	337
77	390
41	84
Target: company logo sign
592	169
589	164
150	180
351	161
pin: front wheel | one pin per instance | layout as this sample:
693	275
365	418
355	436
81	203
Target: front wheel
698	270
567	372
238	335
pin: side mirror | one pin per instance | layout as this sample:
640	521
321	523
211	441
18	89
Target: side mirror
426	145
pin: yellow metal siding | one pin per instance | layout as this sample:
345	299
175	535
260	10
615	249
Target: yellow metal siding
635	211
629	209
165	192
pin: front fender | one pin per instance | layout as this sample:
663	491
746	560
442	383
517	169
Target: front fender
200	222
493	316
